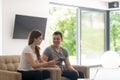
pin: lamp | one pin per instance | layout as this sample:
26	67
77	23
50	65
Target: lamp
110	59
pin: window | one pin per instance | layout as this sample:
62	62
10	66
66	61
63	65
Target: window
63	18
115	31
92	36
80	27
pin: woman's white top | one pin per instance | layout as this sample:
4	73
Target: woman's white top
24	64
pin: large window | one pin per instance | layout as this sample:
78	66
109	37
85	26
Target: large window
92	37
63	18
87	31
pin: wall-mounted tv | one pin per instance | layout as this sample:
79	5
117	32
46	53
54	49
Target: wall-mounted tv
24	24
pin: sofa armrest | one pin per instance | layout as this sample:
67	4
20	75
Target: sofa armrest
84	69
55	73
9	75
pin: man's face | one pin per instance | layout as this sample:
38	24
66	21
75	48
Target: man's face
57	40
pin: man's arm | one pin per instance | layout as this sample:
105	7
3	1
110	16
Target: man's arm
67	64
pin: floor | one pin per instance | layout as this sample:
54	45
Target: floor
104	74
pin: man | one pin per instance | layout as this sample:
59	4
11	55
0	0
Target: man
55	51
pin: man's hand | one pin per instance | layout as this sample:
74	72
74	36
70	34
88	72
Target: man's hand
53	62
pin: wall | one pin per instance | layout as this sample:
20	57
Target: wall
9	9
96	4
0	26
32	8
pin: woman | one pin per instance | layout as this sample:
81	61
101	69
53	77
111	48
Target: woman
56	51
30	59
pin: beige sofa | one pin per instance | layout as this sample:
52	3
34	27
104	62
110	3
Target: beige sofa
9	64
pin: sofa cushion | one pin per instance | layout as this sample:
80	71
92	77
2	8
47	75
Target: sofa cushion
9	63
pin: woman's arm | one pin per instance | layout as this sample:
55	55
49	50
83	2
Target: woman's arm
36	64
44	58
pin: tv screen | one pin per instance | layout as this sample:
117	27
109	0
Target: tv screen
24	24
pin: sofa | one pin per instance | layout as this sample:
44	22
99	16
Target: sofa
9	64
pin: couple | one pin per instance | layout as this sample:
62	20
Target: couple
31	58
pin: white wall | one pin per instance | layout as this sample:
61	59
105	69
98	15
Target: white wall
0	26
9	9
97	4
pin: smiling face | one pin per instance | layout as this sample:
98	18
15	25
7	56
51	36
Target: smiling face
57	40
38	40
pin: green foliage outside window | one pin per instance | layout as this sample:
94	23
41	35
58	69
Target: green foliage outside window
66	23
68	28
115	30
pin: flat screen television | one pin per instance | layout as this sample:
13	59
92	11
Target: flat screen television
24	24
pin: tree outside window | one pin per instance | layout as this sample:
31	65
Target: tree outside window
63	18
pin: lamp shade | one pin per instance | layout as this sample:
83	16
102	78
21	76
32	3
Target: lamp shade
110	59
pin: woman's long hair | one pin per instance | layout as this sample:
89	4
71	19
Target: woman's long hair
34	34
